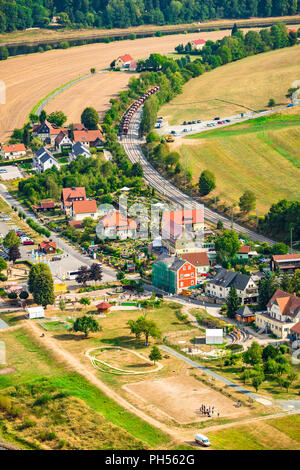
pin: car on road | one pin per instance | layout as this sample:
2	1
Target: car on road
185	130
157	126
216	119
28	242
227	120
173	132
170	138
193	122
189	122
290	105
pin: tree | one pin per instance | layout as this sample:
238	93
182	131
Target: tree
269	352
155	354
23	295
145	326
227	245
3	264
3	52
207	182
271	103
120	275
42	116
96	273
62	305
40	284
85	301
266	289
86	324
253	355
83	275
11	239
14	253
57	117
257	381
220	225
36	144
90	118
232	302
137	170
247	202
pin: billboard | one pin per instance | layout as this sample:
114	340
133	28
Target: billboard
214	336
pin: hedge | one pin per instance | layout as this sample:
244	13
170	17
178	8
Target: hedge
38	228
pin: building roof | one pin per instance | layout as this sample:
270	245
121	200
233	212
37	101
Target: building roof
245	311
245	250
61	136
172	262
87	136
196	259
199	41
47	205
79	127
296	328
289	304
184	217
13	148
70	193
75	223
282	258
47	244
103	306
79	148
225	278
126	58
85	207
118	220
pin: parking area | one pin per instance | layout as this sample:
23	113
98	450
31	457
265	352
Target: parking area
10	172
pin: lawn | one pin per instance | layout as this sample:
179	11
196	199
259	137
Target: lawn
278	434
261	155
240	86
33	365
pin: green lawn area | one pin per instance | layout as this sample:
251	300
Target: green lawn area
33	364
279	434
261	155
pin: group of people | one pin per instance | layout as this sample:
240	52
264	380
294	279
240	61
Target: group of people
208	411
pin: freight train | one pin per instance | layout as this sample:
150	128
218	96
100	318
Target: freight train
126	119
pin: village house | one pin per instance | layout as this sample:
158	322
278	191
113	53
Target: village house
79	149
116	225
173	274
45	206
283	312
63	142
200	262
191	219
69	195
82	209
295	332
245	315
44	160
48	247
177	239
198	44
285	263
245	252
220	285
123	61
12	151
89	138
47	132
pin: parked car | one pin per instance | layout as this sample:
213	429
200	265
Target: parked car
216	119
199	120
173	132
3	170
28	242
193	122
185	130
184	123
227	120
157	126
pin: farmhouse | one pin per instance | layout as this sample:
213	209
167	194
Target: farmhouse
44	160
172	274
198	44
123	61
82	209
116	225
10	152
69	195
283	312
89	138
285	263
48	247
200	262
47	132
220	285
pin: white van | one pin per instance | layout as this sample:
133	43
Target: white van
202	440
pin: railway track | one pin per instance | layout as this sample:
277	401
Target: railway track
132	146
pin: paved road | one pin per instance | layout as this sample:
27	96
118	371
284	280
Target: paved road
74	258
132	147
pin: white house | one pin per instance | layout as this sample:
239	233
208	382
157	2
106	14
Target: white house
10	152
198	44
44	160
220	285
63	142
116	225
79	149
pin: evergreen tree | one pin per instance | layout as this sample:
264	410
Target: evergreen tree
11	239
232	302
40	284
14	253
266	290
207	182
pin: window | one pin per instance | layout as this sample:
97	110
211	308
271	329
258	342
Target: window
189	266
192	283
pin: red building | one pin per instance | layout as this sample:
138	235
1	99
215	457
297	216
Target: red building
173	275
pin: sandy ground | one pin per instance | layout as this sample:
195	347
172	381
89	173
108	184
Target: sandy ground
181	398
31	77
95	91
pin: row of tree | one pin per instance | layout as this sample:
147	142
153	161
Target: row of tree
18	14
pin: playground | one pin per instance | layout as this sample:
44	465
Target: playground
181	398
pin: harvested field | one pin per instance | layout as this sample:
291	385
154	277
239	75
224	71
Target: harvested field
95	91
43	73
181	397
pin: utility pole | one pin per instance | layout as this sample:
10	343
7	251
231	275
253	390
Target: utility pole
291	231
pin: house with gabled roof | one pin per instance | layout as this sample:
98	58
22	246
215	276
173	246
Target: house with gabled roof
200	262
62	142
12	151
220	285
44	160
47	132
79	149
198	44
173	274
116	225
123	61
69	195
82	209
283	312
91	138
285	263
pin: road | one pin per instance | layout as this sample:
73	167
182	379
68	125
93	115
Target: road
132	146
74	259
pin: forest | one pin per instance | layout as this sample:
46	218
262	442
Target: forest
22	14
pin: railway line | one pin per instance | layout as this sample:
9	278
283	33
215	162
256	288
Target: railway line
131	143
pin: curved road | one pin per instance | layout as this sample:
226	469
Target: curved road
132	146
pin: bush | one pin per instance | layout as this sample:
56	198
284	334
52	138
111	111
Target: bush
47	436
38	228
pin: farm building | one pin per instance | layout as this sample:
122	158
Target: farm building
123	61
10	152
198	44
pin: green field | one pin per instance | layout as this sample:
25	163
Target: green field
37	373
262	155
274	434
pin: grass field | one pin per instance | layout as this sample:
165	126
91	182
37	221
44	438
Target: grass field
33	366
261	155
274	434
237	87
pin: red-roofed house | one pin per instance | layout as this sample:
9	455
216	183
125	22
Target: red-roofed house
198	44
48	247
89	138
286	263
123	61
82	209
45	206
295	331
9	152
116	225
245	252
47	132
182	231
283	312
69	195
200	261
